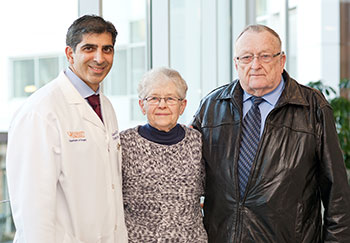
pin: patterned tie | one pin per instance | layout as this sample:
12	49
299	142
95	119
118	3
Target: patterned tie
249	142
94	101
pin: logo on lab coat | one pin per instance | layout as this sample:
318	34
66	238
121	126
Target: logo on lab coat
76	136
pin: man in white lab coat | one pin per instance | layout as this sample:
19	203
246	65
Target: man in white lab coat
63	160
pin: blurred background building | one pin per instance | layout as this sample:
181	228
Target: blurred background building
195	37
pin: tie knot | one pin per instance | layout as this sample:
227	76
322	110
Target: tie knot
257	100
94	100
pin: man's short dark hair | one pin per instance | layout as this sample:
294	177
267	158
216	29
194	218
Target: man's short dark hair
88	24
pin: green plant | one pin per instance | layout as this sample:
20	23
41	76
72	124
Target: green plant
341	111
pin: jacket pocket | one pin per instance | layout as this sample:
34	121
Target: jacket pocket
308	218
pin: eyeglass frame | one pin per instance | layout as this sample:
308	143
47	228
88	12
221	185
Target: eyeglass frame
239	59
159	99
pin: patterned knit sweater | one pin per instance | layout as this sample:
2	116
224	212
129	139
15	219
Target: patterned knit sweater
162	185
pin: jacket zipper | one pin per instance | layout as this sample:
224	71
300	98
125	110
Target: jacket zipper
237	227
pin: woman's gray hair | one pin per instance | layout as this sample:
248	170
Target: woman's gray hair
161	75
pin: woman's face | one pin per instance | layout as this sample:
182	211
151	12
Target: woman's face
163	115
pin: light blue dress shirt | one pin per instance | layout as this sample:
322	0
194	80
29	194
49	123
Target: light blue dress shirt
266	106
83	89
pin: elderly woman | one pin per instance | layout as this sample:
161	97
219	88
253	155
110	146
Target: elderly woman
163	174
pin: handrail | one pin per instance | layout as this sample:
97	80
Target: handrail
4	201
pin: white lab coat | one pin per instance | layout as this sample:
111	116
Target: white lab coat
64	169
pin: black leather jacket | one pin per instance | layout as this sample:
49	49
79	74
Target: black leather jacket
298	165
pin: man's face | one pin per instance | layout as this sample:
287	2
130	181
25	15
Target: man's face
92	58
257	77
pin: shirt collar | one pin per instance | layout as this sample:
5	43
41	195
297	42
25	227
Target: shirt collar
83	89
271	97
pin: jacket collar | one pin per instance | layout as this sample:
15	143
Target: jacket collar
292	92
290	95
70	93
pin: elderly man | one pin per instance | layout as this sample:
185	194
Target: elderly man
272	154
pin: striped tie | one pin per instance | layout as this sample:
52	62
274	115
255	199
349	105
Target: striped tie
249	142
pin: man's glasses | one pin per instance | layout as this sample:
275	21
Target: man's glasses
154	100
263	57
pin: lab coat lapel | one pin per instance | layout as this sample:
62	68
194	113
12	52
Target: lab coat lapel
90	115
73	98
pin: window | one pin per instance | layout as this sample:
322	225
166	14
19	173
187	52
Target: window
31	73
48	69
268	13
200	47
23	77
272	13
130	60
116	83
185	49
311	44
292	41
7	228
